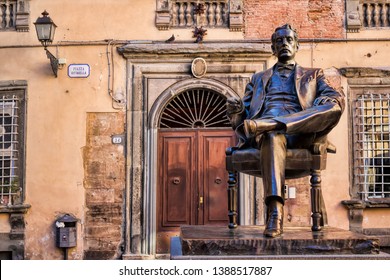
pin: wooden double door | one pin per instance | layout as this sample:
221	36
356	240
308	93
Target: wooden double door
192	180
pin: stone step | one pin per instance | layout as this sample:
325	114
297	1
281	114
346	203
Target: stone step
248	242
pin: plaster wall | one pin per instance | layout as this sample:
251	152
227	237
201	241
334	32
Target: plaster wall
337	178
56	130
57	108
376	218
56	134
92	20
4	224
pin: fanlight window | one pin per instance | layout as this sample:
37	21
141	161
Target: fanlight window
196	108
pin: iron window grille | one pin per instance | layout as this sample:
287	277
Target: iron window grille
11	148
371	161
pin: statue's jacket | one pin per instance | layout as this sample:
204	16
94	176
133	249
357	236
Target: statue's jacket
322	105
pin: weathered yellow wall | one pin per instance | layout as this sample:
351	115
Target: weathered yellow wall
336	178
4	223
56	132
56	115
376	218
57	107
90	20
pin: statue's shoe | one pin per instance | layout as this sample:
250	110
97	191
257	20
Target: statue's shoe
274	227
259	126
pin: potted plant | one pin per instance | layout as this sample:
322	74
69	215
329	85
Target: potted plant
10	193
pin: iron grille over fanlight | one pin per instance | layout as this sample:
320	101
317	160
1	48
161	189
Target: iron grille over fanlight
195	108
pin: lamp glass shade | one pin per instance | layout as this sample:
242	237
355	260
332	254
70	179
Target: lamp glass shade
45	28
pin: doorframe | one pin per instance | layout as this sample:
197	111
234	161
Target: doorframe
150	68
151	172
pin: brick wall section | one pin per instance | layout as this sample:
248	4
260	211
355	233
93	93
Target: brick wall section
311	18
104	165
297	211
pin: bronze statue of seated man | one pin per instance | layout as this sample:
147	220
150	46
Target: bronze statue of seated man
284	107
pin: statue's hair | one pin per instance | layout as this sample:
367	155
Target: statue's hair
286	26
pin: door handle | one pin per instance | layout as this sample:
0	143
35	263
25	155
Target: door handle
218	180
176	180
200	200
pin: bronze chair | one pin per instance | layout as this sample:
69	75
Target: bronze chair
299	163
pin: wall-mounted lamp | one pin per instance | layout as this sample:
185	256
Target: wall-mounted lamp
46	28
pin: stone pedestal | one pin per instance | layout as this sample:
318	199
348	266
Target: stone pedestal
248	242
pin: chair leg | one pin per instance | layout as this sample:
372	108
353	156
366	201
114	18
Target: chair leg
232	199
315	193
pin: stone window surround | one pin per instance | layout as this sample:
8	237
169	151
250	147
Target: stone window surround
227	62
359	79
14	240
18	86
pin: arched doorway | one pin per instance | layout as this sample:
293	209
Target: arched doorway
193	133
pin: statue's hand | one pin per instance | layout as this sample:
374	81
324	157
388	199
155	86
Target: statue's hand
234	106
322	100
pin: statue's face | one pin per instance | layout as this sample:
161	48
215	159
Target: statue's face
285	46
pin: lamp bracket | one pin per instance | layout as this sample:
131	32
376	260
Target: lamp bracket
53	62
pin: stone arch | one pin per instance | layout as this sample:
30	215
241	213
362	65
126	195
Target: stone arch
151	167
196	108
185	85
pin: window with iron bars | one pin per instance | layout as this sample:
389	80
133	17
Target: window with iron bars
11	146
371	158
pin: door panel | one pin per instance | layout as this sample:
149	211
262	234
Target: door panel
177	181
215	176
176	176
175	185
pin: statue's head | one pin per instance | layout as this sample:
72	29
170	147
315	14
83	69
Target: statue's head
285	43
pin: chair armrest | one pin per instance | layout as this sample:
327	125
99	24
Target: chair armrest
331	148
320	148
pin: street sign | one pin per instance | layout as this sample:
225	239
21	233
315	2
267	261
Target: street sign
79	70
